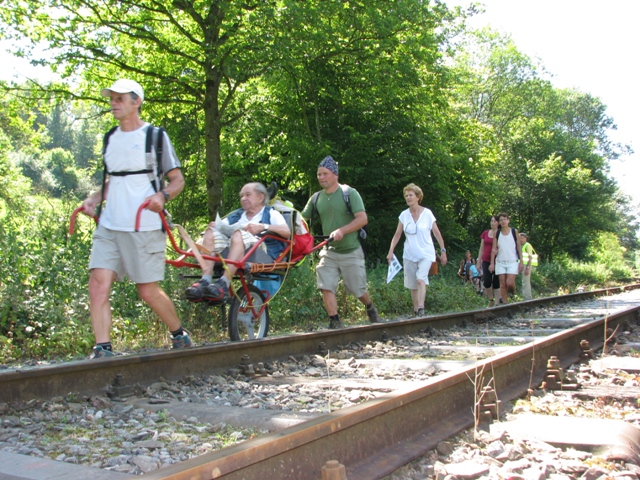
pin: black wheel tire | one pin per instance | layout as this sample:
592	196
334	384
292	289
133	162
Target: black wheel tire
242	324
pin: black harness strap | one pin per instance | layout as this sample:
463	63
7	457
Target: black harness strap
124	174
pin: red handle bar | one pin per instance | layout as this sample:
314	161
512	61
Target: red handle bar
141	208
72	223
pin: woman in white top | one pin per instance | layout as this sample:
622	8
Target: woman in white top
506	259
417	223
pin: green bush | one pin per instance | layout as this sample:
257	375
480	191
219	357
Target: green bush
42	285
565	275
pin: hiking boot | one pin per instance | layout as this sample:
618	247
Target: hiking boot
334	324
420	312
194	292
216	291
182	341
99	352
372	313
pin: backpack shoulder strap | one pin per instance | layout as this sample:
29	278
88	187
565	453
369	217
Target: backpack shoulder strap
105	139
159	151
515	239
346	196
149	138
156	133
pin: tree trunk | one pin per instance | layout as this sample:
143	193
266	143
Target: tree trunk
213	158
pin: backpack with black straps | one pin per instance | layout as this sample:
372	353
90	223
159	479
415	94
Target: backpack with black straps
154	170
346	196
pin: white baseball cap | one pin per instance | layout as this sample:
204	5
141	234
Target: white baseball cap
124	86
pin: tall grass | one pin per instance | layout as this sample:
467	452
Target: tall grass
565	275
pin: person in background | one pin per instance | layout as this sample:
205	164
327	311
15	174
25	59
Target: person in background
507	263
343	256
253	218
117	248
465	263
491	282
417	223
475	277
530	260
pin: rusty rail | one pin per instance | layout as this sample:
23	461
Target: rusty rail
90	377
372	439
375	438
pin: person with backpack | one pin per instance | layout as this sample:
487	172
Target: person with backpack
529	260
341	212
465	263
243	226
134	170
506	260
417	223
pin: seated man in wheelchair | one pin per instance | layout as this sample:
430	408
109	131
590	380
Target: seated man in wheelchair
248	222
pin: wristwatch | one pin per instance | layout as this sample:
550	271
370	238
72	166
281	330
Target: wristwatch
166	195
443	250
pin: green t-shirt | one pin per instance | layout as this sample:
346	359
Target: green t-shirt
332	212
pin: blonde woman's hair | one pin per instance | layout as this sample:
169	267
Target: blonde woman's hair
415	189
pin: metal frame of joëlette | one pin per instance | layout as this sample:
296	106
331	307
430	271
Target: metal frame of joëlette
243	265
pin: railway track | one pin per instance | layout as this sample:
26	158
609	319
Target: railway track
376	437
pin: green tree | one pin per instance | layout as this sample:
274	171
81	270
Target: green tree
13	185
551	145
379	107
59	131
200	61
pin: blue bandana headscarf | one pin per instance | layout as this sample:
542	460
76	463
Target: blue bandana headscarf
330	164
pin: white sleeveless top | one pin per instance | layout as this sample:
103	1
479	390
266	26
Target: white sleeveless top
507	251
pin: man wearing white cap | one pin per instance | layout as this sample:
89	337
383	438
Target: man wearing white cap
119	250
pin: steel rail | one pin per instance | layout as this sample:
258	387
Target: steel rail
92	377
374	439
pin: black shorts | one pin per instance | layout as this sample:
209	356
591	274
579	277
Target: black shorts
489	279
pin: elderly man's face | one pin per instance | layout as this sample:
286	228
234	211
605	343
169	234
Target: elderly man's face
250	200
123	106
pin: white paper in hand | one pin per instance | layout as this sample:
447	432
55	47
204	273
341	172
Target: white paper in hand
226	229
394	268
